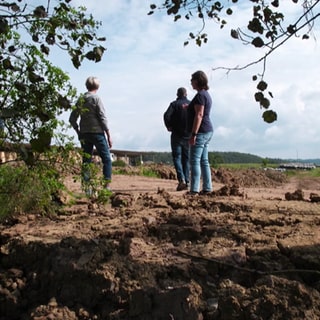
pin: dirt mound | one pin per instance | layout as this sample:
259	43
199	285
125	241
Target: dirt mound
249	177
240	177
155	253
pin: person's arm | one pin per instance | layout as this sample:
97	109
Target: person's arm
101	113
167	117
199	110
109	138
73	120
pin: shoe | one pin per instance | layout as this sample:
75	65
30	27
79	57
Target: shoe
88	192
192	193
204	192
107	188
182	186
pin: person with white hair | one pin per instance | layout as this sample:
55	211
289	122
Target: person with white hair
93	130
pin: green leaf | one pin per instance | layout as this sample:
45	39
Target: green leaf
234	34
45	49
255	26
42	142
14	7
257	42
6	63
291	29
269	116
265	103
4	25
76	62
258	96
40	12
262	85
90	55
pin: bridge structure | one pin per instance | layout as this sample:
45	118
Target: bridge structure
129	157
8	152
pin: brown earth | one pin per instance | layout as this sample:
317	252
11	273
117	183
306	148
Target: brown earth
250	250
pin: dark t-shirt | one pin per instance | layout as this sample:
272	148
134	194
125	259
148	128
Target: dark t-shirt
201	98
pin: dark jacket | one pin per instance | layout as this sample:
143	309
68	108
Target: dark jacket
176	116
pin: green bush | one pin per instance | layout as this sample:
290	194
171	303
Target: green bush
119	163
148	172
28	190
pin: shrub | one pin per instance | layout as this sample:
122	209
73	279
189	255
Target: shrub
28	190
119	163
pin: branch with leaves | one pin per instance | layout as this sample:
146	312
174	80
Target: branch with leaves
33	91
265	29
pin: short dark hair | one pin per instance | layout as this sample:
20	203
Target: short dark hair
181	92
201	78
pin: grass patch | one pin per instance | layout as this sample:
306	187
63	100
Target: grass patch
313	173
149	172
144	171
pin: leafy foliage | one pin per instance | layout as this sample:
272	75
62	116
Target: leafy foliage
26	190
33	91
266	28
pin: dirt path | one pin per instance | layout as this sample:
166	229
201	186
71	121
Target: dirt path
243	252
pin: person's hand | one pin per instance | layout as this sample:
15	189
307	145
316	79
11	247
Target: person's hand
109	142
79	134
192	140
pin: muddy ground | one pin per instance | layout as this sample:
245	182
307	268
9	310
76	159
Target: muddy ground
250	250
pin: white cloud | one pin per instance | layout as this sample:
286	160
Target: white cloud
146	62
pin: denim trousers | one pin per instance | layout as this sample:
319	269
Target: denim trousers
98	140
180	157
200	166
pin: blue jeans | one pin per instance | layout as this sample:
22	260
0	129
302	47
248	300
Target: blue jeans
180	157
200	163
98	140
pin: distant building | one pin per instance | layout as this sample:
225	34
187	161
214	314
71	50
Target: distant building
297	166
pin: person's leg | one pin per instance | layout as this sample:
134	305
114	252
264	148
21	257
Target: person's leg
185	160
205	165
87	149
102	147
176	157
195	157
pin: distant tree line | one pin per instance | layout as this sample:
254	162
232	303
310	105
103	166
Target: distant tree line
215	158
238	157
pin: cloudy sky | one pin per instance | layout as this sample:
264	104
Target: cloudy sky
146	62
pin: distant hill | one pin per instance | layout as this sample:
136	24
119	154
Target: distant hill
217	157
238	157
214	157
